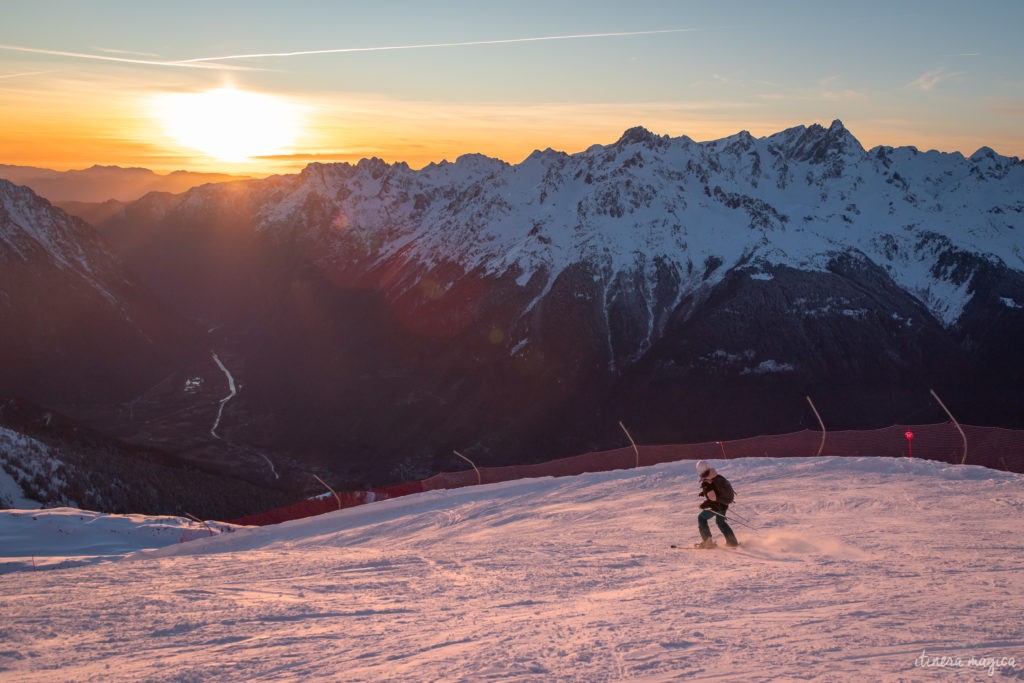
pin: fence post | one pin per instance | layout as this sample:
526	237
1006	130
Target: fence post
963	461
635	449
336	496
479	479
821	422
196	519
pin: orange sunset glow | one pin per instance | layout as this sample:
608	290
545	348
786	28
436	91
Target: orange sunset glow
158	88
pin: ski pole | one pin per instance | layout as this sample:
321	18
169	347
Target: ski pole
735	520
739	516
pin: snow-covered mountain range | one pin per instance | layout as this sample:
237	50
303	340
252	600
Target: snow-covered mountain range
490	304
651	210
657	223
375	316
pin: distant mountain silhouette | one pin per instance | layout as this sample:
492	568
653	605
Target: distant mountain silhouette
102	183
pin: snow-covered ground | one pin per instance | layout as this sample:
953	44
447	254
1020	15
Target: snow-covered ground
862	569
11	493
33	539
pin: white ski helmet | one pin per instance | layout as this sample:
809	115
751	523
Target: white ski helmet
703	469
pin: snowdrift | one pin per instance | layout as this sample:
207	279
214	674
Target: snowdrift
65	537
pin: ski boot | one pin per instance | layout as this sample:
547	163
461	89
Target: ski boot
706	543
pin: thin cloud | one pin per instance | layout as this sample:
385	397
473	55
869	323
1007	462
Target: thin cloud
109	58
838	95
25	73
831	90
930	79
421	46
844	95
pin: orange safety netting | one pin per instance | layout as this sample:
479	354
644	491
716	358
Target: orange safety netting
989	446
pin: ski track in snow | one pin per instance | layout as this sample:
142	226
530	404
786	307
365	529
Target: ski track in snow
860	566
233	391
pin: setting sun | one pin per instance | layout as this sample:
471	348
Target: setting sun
228	124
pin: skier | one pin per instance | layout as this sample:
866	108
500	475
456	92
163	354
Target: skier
718	495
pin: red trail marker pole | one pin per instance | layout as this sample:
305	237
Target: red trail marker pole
910	437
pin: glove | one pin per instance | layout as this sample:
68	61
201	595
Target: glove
706	505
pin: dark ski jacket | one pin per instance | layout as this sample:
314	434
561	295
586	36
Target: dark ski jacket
724	494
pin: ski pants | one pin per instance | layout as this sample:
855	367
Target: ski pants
702	524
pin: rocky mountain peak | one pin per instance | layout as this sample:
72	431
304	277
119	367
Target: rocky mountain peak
817	144
988	164
9	190
638	135
983	153
742	141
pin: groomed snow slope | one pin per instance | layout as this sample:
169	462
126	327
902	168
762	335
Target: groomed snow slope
861	566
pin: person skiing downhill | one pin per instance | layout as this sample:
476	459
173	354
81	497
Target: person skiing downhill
718	495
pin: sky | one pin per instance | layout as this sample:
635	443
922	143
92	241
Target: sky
259	87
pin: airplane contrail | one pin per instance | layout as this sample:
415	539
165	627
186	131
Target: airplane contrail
502	41
109	58
209	62
25	73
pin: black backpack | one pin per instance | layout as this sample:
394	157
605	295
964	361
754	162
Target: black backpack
727	495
